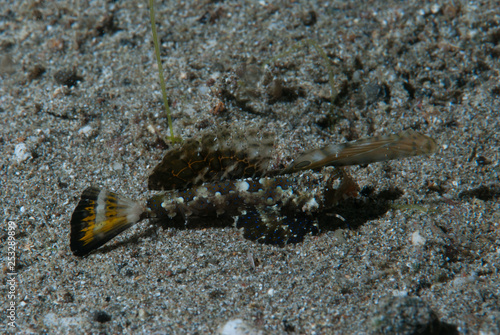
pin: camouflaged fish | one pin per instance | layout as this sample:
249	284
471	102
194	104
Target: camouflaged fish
229	176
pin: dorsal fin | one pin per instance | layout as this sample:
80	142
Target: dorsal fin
213	157
364	151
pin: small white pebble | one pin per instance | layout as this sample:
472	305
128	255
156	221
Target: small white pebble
203	89
117	166
435	9
417	239
86	130
63	90
459	281
142	314
238	327
21	153
399	293
151	129
465	280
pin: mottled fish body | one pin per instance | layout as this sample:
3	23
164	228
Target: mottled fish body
267	203
232	197
228	176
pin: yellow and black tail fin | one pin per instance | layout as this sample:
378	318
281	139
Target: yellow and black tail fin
99	216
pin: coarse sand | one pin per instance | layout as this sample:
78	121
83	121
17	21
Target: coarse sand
80	105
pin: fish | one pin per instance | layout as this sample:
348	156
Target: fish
225	175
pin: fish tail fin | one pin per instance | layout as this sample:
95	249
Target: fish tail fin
99	216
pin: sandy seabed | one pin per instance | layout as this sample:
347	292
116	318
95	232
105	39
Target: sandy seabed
80	105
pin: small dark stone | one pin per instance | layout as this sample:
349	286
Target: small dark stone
38	107
410	89
129	273
37	14
452	123
438	188
68	297
128	42
495	52
9	15
6	45
63	184
375	92
204	18
67	77
309	18
34	154
126	82
494	36
36	72
481	161
216	294
288	327
107	25
278	92
495	90
211	16
101	317
205	123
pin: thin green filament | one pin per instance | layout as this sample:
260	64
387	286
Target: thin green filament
160	70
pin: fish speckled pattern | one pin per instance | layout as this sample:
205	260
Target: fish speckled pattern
227	176
275	210
211	158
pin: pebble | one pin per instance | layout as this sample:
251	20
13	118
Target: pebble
86	130
52	321
238	327
417	239
21	153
